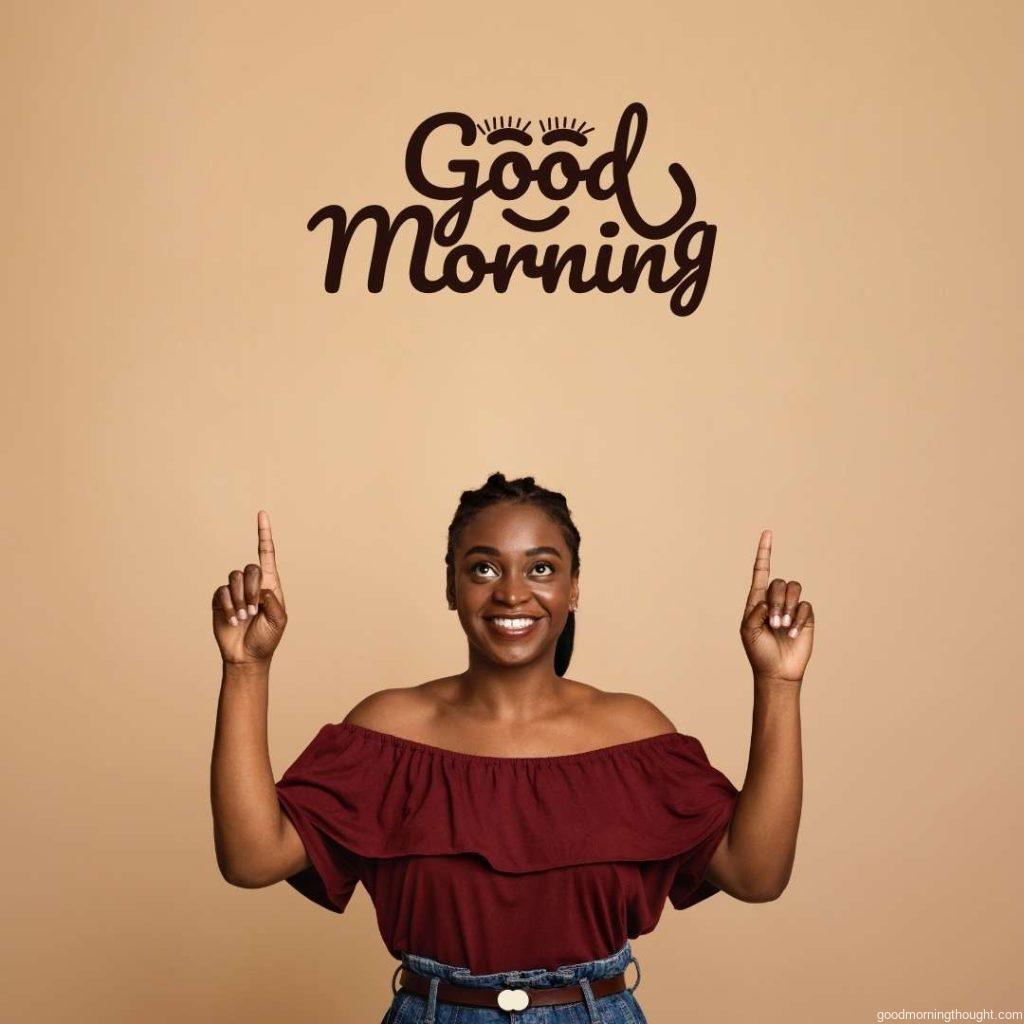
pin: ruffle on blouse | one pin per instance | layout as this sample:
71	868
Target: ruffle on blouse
355	793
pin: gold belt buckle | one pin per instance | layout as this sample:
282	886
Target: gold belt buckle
513	999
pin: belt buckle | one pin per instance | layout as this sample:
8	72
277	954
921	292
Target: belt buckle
513	999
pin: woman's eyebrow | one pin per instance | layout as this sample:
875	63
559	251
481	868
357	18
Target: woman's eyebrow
483	549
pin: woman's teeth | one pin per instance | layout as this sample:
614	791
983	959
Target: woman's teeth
512	627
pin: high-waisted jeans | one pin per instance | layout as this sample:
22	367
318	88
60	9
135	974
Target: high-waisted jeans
618	1008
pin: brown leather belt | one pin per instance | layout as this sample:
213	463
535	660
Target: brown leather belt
508	998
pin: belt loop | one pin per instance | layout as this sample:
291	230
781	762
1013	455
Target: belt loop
432	1001
588	998
633	960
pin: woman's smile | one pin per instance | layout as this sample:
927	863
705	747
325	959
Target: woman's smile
512	627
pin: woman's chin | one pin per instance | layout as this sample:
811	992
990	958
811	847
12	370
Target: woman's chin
513	654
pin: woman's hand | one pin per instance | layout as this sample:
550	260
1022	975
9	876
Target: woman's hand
248	613
777	627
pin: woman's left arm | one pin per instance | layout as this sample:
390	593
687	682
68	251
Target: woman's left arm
755	858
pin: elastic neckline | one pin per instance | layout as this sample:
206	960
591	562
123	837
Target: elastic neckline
460	755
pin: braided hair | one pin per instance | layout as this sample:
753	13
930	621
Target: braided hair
521	491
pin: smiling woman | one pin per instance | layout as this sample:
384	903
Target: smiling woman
514	828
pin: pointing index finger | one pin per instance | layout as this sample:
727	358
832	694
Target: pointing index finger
268	556
762	570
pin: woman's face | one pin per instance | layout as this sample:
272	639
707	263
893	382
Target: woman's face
513	583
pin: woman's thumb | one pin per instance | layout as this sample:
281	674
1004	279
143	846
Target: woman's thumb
754	617
272	608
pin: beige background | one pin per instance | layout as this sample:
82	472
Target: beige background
852	380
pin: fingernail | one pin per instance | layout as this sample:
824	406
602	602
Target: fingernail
241	613
234	621
775	622
794	631
252	611
786	620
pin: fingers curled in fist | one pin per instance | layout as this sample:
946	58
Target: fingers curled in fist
785	609
241	597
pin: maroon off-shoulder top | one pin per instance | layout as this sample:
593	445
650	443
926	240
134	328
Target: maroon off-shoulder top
506	863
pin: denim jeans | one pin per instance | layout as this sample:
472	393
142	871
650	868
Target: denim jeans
618	1008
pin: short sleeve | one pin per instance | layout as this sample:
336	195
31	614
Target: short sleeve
714	798
311	803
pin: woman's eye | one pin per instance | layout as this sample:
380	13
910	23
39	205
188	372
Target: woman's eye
538	568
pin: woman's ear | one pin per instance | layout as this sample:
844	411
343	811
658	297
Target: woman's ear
574	595
449	593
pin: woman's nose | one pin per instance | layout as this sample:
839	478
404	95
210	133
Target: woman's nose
511	592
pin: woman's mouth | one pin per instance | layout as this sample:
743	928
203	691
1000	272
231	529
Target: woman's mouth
512	627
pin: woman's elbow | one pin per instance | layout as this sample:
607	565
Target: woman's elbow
754	890
762	896
763	892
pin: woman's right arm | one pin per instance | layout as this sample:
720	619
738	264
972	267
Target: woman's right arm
256	844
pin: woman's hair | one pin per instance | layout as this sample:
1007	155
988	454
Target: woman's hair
522	491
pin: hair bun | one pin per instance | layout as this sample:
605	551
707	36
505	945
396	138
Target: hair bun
496	478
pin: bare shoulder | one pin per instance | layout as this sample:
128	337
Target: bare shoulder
622	717
642	716
404	710
395	709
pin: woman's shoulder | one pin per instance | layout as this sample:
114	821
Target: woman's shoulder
618	717
586	718
393	708
637	714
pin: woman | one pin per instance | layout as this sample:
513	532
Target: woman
513	827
